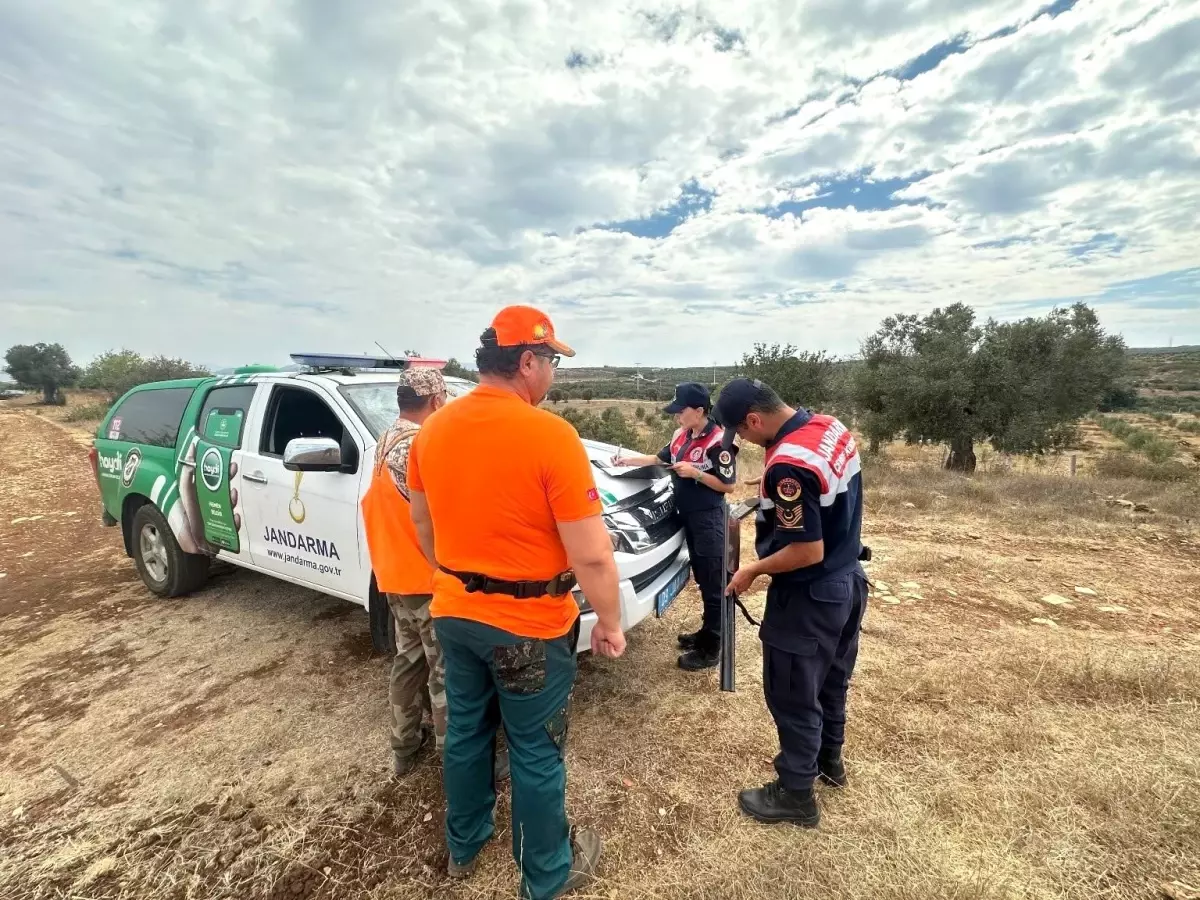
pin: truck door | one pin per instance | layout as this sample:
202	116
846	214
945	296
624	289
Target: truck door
303	526
214	481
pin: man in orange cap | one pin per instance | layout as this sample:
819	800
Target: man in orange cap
510	543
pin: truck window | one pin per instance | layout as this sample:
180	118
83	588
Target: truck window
295	413
150	417
223	416
375	401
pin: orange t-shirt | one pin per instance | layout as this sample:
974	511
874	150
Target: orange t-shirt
498	474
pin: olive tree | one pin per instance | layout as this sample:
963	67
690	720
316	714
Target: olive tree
44	367
1019	385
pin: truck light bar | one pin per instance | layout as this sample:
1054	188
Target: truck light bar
350	361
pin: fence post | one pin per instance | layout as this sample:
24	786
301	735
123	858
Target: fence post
1073	465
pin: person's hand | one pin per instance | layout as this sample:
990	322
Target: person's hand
607	641
741	581
618	461
686	470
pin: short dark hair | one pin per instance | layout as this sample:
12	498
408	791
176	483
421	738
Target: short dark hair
409	402
765	401
492	359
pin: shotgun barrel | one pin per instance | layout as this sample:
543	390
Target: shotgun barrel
730	603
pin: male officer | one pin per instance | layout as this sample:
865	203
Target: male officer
703	473
808	539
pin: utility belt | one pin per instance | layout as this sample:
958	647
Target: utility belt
478	583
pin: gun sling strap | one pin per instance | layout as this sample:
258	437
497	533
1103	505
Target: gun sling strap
864	555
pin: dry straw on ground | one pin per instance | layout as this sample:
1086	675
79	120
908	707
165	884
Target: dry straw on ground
233	744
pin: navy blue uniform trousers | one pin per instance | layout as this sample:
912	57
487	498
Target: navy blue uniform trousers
810	645
704	530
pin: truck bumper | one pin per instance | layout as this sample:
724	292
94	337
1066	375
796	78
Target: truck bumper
638	592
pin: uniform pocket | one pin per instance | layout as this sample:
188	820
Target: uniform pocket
559	725
831	590
520	668
788	641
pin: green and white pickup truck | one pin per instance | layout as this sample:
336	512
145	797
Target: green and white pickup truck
265	469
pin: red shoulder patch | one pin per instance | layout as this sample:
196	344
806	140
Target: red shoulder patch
593	494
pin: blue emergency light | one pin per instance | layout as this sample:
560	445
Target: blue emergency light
351	361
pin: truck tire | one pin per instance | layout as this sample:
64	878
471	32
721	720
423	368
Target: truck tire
165	569
383	626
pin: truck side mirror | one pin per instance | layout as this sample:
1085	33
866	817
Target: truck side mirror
312	455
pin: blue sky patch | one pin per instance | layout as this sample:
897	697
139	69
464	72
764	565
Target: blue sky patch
931	58
692	200
1101	244
859	191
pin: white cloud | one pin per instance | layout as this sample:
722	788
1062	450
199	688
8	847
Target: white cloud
233	181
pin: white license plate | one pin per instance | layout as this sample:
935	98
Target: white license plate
667	595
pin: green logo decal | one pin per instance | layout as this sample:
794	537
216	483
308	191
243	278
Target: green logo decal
132	461
212	468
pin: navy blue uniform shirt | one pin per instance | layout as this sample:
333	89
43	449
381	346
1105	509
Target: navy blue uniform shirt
797	508
690	495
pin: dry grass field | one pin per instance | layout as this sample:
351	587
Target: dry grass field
1023	723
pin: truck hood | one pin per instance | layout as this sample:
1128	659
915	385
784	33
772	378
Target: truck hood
615	488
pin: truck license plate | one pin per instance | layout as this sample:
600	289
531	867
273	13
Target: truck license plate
672	590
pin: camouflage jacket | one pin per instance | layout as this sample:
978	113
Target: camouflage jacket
393	447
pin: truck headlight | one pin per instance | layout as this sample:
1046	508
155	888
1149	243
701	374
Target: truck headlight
627	535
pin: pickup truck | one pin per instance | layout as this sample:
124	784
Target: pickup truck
265	469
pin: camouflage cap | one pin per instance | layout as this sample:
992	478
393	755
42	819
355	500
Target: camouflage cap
419	382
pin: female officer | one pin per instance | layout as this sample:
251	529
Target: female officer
702	473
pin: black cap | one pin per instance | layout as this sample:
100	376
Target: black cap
690	394
734	405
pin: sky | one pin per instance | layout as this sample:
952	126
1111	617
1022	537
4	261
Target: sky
231	181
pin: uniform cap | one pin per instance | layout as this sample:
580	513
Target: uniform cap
690	394
734	405
420	381
516	326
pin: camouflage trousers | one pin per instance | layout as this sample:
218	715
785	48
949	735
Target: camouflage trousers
418	683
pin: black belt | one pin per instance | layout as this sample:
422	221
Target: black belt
477	582
865	554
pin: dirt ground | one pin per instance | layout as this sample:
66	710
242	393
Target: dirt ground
1023	720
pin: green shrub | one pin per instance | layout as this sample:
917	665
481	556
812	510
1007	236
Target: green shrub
1157	449
87	412
1116	464
609	427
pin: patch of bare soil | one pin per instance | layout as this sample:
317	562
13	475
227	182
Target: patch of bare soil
53	556
1022	722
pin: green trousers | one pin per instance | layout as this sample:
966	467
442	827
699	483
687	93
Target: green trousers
494	677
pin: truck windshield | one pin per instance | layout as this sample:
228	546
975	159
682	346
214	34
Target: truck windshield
375	402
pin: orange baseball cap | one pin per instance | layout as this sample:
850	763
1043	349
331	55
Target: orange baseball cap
517	325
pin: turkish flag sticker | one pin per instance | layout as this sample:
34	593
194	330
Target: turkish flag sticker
593	494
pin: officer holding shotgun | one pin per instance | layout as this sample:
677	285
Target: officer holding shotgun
808	541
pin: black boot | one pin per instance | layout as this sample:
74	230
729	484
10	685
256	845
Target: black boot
831	769
773	803
688	641
705	653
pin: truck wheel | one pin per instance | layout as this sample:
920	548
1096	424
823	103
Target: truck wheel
383	626
165	569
